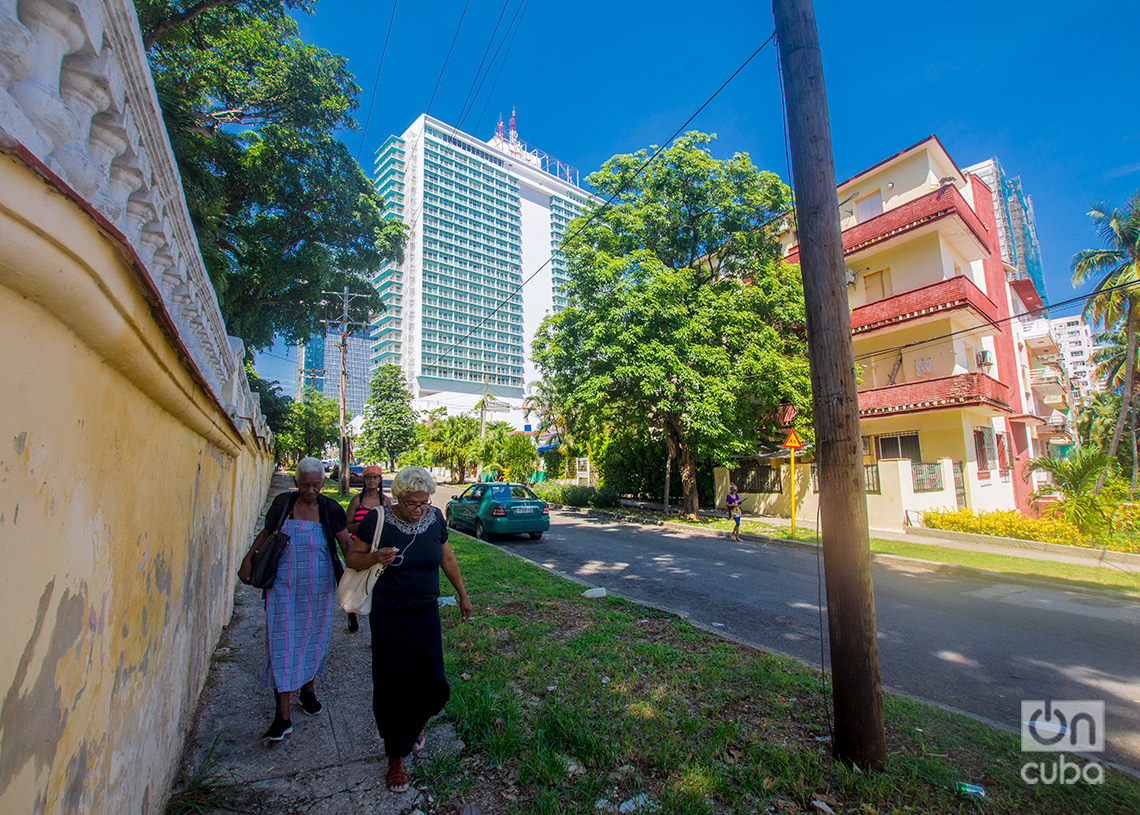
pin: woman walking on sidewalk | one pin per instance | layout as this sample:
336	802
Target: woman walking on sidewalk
299	606
370	497
732	503
409	686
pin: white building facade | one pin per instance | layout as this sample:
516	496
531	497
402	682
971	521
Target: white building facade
481	268
1075	338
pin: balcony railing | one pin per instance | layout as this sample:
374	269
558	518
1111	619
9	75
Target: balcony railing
952	294
1038	335
926	477
943	203
962	390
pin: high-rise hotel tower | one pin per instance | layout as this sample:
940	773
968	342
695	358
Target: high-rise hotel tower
481	268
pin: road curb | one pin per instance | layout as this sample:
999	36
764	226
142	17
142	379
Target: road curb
883	558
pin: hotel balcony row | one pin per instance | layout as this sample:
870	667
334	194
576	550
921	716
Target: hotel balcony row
968	390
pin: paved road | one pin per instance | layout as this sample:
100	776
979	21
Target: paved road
974	643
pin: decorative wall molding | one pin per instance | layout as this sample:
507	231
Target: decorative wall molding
76	92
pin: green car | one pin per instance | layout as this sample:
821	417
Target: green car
498	509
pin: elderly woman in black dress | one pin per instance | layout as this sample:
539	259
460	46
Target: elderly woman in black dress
409	686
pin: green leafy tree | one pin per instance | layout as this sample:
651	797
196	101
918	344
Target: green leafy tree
389	426
680	317
519	457
451	443
311	426
281	209
1118	264
1110	368
275	406
1076	477
488	450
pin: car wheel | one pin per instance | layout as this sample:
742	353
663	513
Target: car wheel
535	535
449	520
480	532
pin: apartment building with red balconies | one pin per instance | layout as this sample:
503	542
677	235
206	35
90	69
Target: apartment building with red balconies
942	408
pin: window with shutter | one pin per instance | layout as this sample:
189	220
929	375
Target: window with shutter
984	447
869	206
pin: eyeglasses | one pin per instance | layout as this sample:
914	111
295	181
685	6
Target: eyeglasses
414	504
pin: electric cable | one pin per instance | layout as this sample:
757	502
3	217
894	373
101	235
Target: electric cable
376	81
519	14
448	57
475	79
608	204
819	607
1043	309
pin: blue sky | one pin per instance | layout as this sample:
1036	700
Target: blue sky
1047	87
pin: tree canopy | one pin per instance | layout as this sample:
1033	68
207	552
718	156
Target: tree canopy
681	319
311	426
1118	264
282	210
389	421
275	405
451	442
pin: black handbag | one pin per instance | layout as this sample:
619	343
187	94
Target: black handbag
264	560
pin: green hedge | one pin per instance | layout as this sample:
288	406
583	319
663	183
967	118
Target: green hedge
575	496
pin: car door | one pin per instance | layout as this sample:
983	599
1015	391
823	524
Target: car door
464	510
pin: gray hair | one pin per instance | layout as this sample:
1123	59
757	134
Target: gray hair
412	479
310	466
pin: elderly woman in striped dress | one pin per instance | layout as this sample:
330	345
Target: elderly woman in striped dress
299	606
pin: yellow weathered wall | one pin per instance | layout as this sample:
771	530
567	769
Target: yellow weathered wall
125	495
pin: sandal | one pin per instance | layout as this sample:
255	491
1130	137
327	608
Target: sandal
421	740
397	777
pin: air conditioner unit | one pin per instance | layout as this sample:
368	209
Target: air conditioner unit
851	275
984	359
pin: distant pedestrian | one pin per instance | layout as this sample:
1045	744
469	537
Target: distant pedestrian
299	606
370	497
408	682
732	503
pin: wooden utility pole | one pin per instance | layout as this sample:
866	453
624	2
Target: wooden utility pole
856	689
482	425
345	329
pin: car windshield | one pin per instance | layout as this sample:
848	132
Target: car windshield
517	492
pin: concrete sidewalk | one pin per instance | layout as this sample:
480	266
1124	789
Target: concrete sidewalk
333	763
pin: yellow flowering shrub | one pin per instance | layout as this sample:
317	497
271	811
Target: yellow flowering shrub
1005	524
1124	537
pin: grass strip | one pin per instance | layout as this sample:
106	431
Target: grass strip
571	705
1077	575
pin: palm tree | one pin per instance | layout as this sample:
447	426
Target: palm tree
1077	477
1110	368
1119	262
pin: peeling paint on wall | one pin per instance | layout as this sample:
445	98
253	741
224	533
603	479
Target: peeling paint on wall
107	640
36	706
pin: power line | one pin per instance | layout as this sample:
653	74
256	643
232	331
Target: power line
376	81
475	79
608	203
519	13
448	57
1043	309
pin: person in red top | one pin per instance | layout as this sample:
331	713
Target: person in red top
370	497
